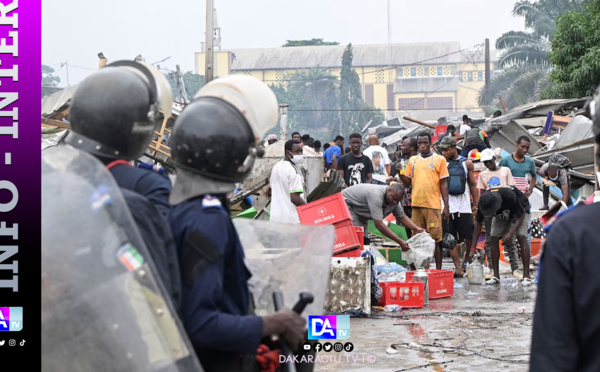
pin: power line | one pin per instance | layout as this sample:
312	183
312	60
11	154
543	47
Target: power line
387	68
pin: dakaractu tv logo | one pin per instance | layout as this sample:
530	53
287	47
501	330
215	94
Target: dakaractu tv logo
328	327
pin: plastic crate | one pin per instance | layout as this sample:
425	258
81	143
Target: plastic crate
356	252
360	234
345	237
441	283
406	294
325	211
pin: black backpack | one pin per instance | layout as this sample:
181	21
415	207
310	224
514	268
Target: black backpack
561	161
458	176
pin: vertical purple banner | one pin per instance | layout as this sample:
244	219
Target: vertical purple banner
20	176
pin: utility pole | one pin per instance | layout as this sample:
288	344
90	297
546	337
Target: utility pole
209	68
487	66
283	121
66	64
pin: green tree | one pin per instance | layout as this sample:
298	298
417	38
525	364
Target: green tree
193	82
48	77
523	55
314	42
575	55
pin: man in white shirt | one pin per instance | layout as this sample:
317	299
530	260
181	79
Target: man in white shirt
464	127
373	147
287	187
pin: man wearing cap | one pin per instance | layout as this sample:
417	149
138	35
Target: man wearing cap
554	175
271	139
462	178
495	176
509	209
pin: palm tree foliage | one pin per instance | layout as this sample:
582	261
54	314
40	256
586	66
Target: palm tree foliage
523	55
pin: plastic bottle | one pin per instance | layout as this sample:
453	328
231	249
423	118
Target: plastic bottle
475	272
391	308
421	276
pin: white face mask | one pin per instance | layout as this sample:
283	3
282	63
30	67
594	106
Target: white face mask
296	159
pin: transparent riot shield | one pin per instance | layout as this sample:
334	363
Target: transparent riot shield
103	308
287	258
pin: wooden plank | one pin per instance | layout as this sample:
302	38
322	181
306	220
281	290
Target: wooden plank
418	122
56	123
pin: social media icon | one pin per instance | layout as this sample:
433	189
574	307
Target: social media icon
327	346
317	346
306	346
338	346
12	342
348	346
2	343
22	343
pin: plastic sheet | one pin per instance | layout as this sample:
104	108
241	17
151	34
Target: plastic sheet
421	250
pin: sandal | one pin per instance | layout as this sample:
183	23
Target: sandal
526	282
492	281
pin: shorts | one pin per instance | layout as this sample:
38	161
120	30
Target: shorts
429	219
461	224
501	227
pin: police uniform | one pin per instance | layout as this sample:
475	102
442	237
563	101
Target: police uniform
215	284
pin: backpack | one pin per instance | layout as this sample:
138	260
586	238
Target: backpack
458	176
561	161
473	137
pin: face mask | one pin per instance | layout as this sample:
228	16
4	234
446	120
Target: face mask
296	159
553	179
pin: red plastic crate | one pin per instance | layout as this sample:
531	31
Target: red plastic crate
325	211
405	294
345	237
441	283
353	253
360	234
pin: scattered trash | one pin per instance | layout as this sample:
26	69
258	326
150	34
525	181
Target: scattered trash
392	308
457	285
391	350
421	248
472	294
354	313
521	310
477	313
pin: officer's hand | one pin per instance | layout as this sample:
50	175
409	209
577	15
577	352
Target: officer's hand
288	325
404	246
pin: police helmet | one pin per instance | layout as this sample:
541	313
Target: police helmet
114	111
218	136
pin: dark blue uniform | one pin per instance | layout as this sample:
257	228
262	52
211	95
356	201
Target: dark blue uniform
154	186
215	284
566	325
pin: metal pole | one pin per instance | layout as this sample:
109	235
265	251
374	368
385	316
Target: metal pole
67	65
487	66
209	70
283	121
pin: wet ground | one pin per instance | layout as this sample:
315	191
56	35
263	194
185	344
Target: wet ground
479	328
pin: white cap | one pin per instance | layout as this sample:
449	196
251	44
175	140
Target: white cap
487	155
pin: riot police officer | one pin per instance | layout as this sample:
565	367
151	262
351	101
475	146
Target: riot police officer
566	326
214	145
113	113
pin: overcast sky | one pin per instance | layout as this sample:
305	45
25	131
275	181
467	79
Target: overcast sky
75	30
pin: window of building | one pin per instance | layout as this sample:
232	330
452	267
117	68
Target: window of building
470	75
439	103
440	71
390	97
411	103
413	71
453	70
425	71
370	94
399	72
480	73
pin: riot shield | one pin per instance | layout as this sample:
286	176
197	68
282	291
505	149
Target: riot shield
103	308
287	258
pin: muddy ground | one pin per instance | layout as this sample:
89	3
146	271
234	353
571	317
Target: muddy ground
479	328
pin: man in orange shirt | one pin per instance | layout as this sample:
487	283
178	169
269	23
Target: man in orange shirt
428	174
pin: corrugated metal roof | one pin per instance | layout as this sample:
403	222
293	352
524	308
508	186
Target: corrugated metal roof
426	84
364	55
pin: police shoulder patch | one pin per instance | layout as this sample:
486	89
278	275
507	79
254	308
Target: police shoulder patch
211	201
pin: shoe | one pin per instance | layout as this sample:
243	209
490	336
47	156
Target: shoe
493	281
525	282
544	208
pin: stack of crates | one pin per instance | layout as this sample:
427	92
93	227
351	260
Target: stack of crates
332	210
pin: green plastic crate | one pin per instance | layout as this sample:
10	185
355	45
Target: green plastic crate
400	231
